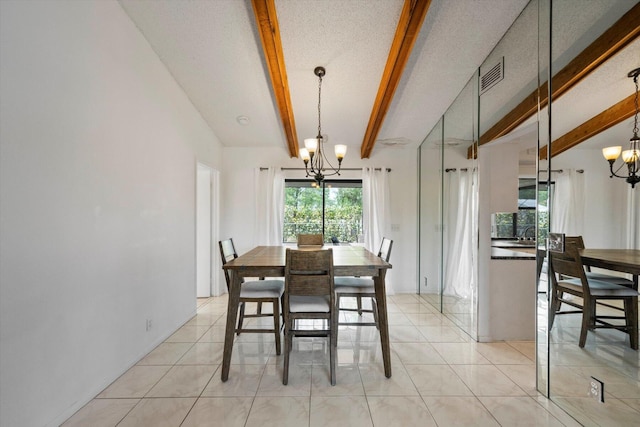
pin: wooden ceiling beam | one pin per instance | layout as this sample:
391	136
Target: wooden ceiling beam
411	18
265	15
599	123
613	40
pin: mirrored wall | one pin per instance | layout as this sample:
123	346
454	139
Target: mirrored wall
448	229
584	201
540	170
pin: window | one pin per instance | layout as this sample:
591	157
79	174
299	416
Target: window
521	223
333	208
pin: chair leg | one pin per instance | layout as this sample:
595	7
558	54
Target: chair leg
588	313
259	308
287	351
240	318
631	315
374	306
276	323
552	308
359	301
333	347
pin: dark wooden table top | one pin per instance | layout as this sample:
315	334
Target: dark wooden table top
625	260
347	260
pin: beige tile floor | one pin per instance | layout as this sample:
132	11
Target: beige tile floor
440	378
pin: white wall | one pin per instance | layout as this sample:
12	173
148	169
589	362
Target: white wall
238	193
98	154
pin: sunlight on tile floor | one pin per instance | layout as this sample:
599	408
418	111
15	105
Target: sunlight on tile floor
440	378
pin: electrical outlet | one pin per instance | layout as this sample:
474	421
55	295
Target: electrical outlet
596	389
149	324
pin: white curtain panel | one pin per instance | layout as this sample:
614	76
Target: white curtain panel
567	215
269	185
462	210
633	218
375	207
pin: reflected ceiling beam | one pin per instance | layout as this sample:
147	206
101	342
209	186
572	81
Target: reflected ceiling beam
411	18
599	123
619	35
265	14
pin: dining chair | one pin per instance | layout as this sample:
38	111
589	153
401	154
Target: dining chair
310	240
618	280
309	295
256	291
568	276
362	287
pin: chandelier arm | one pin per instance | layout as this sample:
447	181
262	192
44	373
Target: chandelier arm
613	173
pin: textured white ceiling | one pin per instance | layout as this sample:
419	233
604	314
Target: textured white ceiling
213	50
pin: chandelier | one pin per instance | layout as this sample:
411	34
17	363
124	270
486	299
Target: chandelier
313	154
630	157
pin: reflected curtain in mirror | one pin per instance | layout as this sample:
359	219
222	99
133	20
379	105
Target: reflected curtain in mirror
567	215
462	214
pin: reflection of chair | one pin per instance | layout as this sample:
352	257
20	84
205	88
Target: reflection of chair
579	242
362	287
571	279
310	239
309	294
257	291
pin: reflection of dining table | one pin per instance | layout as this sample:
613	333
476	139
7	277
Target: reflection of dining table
269	261
623	260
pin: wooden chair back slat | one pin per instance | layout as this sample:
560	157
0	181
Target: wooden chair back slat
310	239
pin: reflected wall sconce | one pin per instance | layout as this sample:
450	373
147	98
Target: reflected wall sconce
313	154
630	157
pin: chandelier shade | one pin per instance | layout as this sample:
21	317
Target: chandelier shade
313	153
630	157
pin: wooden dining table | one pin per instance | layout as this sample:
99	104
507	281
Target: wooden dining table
269	261
623	260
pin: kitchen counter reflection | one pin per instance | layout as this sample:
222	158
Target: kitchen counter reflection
526	253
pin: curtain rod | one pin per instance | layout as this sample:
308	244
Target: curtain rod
342	169
560	170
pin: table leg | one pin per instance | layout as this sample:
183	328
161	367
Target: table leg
232	314
381	301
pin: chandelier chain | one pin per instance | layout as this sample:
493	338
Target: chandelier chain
320	94
635	120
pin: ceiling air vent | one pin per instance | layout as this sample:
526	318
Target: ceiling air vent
492	77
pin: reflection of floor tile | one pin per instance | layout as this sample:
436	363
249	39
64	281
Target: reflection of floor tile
611	412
